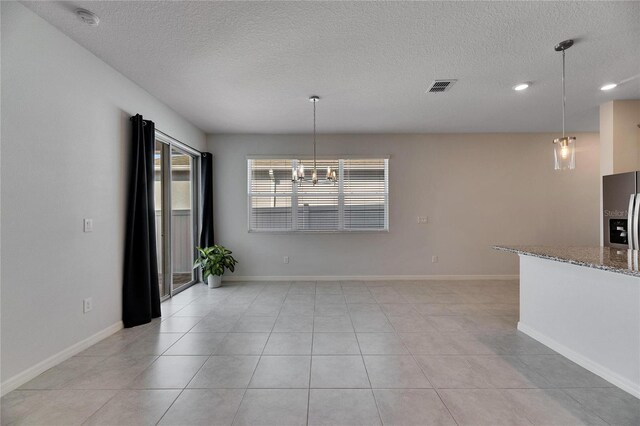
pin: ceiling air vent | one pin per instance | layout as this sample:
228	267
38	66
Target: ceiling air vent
440	86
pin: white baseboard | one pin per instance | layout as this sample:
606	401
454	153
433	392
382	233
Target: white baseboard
610	376
368	277
33	372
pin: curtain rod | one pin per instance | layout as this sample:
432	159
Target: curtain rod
144	122
176	141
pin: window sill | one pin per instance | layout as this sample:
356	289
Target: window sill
337	231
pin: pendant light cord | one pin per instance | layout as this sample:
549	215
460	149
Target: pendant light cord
314	137
564	98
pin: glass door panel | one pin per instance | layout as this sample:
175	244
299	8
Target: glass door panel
158	188
182	218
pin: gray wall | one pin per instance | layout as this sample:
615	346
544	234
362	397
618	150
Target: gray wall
476	189
65	129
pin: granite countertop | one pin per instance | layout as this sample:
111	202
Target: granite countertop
622	261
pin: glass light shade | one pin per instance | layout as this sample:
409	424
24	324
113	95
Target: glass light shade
564	153
331	175
314	177
297	173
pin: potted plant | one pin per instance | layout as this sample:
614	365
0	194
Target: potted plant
213	261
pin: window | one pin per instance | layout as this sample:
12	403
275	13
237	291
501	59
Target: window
359	201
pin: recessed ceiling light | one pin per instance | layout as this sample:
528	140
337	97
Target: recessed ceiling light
88	17
609	86
521	86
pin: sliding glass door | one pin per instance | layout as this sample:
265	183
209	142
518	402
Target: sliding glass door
158	190
176	214
182	223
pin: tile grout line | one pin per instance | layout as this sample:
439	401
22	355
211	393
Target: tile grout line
421	369
192	377
446	406
501	390
427	377
313	328
582	405
373	395
142	372
259	357
100	408
172	403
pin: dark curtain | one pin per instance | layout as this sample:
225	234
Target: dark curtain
206	196
140	292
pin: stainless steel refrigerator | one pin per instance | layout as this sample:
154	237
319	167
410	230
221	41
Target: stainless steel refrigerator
621	210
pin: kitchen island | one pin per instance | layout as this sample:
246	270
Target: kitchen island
584	303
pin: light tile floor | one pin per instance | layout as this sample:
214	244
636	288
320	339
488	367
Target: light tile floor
341	353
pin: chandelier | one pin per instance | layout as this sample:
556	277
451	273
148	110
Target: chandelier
297	172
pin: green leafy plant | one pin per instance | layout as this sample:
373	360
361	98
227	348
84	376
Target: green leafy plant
214	260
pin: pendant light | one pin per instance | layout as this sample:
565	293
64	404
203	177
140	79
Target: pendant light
564	148
297	173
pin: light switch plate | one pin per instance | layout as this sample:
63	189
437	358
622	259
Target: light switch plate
88	225
87	305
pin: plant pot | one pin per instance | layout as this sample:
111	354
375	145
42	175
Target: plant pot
214	281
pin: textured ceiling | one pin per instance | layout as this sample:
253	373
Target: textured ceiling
249	67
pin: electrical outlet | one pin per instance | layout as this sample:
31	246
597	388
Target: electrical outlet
88	225
434	259
87	305
423	219
285	259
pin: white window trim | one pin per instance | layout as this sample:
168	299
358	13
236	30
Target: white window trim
294	196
